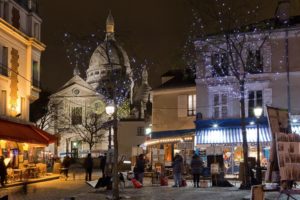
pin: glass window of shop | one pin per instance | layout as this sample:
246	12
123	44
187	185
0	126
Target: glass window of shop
20	154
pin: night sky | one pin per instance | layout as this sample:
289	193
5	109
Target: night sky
155	30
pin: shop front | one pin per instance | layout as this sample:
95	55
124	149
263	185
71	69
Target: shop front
163	146
223	138
23	148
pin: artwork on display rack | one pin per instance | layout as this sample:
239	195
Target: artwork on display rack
278	120
279	123
288	152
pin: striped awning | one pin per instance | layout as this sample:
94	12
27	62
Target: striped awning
231	135
296	129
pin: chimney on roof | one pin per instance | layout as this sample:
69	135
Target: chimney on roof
282	12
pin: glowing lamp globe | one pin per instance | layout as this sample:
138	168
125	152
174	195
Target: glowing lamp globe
258	111
110	109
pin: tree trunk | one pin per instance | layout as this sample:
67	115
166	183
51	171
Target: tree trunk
246	182
116	153
90	146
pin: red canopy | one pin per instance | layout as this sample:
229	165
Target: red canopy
14	131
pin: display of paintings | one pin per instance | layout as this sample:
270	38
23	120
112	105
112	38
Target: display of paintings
278	120
288	152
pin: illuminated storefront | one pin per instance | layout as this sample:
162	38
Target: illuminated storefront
21	144
164	145
226	137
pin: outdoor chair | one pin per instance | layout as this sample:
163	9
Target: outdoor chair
10	175
41	169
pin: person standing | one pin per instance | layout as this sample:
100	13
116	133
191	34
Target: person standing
66	164
3	171
103	164
177	165
88	165
140	168
196	166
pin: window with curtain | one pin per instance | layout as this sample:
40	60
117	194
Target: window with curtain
220	106
191	105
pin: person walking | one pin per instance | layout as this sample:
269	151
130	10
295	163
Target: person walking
3	171
196	166
140	168
103	164
177	166
88	166
66	164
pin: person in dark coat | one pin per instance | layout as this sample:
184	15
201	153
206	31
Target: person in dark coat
103	164
140	168
3	171
196	166
177	166
88	166
66	164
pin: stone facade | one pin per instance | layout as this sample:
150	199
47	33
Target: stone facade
20	53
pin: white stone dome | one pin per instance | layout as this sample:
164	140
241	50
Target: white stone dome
109	53
99	62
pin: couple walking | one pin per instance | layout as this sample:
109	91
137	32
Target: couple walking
196	166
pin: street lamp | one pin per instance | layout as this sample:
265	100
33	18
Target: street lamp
109	109
258	112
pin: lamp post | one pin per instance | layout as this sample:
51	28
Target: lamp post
258	112
109	109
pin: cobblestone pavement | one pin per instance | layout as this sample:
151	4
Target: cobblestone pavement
51	190
62	189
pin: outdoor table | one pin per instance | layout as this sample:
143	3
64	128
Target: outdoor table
31	171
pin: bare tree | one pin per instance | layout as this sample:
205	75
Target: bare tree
90	130
228	50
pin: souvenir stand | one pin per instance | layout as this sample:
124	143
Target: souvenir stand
284	166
